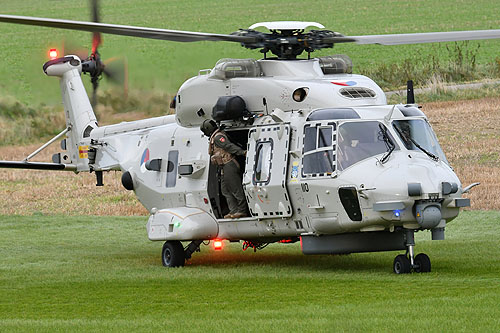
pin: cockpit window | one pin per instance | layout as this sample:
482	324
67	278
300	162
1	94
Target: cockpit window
420	132
360	140
319	156
310	139
325	137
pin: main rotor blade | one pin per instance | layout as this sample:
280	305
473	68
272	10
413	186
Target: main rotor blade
37	165
125	30
427	37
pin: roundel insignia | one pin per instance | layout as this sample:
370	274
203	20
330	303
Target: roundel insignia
144	159
222	139
145	156
345	83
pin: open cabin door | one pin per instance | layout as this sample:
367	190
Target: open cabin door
265	173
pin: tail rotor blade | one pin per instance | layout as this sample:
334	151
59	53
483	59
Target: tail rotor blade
96	41
95	85
96	36
94	5
116	71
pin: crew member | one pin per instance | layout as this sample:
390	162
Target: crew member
222	152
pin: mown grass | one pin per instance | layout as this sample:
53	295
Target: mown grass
165	65
90	273
30	102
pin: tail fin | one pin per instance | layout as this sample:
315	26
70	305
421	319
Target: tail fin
80	117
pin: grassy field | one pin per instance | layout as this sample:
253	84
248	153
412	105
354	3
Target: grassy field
82	272
164	66
102	274
30	102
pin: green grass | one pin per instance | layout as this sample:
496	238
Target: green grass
102	274
165	65
30	107
445	94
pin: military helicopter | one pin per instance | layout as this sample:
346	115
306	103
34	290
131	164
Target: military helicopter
328	162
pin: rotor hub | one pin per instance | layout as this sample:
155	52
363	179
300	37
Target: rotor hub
93	66
288	43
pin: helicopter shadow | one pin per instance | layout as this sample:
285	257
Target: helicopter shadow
324	263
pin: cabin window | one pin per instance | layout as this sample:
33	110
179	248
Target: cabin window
262	171
318	155
173	157
358	141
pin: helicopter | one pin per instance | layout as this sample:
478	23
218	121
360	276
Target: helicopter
328	162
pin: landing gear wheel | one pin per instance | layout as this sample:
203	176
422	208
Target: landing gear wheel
402	264
172	254
422	263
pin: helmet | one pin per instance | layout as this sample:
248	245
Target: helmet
208	127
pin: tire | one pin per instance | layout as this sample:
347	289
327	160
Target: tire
401	264
422	263
172	254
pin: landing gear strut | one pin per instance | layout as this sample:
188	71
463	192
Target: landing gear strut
404	264
173	253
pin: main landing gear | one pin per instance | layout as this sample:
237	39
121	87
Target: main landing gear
405	263
174	254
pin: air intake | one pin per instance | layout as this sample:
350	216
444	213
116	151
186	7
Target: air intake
357	92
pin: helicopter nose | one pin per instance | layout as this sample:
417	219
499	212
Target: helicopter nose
417	181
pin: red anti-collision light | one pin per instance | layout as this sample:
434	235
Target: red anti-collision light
53	54
217	245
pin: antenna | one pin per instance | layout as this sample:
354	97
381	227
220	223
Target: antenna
410	96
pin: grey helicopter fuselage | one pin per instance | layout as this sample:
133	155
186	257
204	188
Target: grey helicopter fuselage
318	162
327	162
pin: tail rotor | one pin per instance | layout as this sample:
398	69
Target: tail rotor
114	69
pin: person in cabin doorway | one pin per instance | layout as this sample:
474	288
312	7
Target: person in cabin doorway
222	153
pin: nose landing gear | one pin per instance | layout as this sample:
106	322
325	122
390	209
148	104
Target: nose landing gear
405	263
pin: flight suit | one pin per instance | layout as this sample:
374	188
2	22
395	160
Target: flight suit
222	152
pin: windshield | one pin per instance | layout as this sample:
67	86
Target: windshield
360	140
418	131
